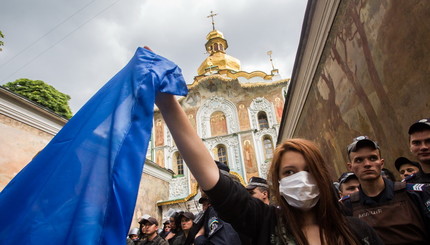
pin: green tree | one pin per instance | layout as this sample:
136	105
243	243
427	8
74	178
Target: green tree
42	93
1	42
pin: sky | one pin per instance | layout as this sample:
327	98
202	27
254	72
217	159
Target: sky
77	46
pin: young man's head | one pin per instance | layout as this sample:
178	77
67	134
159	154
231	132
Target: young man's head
348	184
406	167
419	142
150	227
133	235
259	189
204	201
365	160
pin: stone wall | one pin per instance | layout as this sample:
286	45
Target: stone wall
151	190
18	145
372	79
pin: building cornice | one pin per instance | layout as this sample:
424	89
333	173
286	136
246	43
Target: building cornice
243	85
156	171
317	23
25	111
193	193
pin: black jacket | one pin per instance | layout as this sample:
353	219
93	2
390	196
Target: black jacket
257	220
217	231
419	177
400	213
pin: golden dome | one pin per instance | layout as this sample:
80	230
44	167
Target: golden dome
218	59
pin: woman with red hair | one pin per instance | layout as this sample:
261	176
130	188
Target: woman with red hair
307	210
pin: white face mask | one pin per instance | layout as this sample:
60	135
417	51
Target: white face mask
300	190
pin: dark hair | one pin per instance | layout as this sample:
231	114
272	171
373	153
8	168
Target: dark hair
333	226
176	216
264	189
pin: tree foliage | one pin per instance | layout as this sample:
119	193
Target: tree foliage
42	93
1	42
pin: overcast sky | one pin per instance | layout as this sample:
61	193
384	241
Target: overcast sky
77	46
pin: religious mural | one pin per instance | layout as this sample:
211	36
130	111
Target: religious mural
218	124
367	82
159	132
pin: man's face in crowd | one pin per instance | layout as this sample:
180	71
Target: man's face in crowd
149	228
257	193
420	145
133	237
349	187
205	205
366	163
407	169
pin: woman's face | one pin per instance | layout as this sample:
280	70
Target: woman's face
186	223
167	228
291	163
172	223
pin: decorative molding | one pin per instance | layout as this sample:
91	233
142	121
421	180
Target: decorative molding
194	191
263	165
318	21
178	187
212	105
261	104
157	172
225	78
233	151
27	112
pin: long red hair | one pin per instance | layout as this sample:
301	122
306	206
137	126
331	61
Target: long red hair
333	225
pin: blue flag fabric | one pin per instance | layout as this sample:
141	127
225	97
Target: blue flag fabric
82	187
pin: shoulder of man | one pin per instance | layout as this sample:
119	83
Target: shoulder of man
410	179
420	177
353	197
417	187
219	231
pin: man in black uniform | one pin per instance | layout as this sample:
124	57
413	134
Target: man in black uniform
395	210
209	228
406	167
258	188
150	228
419	143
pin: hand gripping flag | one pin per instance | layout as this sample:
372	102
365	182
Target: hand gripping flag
82	187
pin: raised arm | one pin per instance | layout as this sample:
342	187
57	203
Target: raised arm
191	147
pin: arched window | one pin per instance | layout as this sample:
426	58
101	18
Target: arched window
221	47
218	124
179	163
268	148
262	120
222	154
216	48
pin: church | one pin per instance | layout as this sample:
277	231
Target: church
236	114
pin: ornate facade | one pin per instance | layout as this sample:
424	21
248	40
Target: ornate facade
236	114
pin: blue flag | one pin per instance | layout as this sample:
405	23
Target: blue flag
82	187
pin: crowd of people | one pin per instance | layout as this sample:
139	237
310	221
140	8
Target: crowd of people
300	204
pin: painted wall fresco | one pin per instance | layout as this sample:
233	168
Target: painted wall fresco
159	132
249	156
373	79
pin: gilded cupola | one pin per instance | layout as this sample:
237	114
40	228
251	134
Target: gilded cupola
218	59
